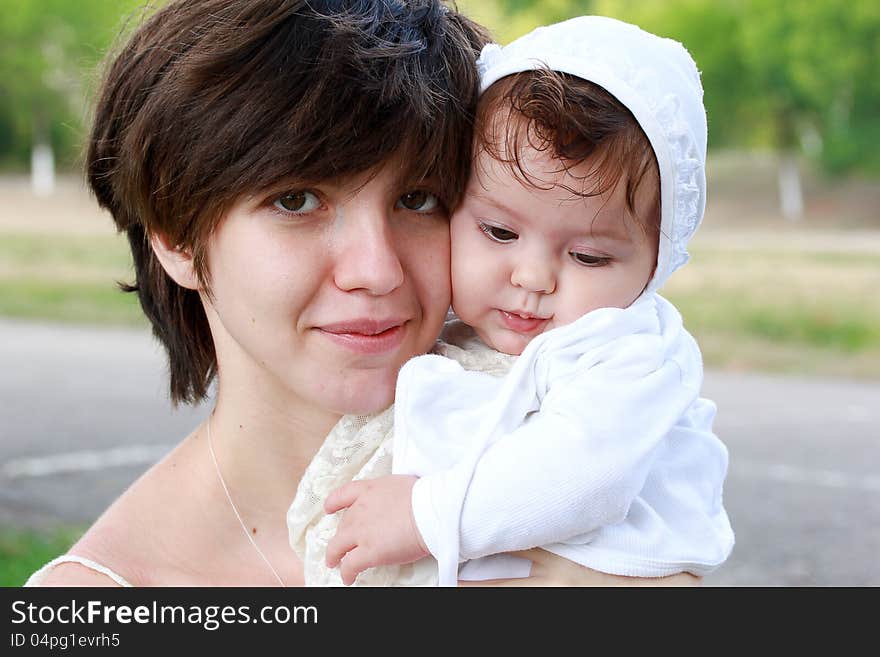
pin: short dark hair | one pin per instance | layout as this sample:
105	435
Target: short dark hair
575	120
210	100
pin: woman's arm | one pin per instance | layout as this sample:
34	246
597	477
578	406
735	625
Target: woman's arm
549	569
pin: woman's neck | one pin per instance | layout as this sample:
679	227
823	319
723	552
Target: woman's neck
264	446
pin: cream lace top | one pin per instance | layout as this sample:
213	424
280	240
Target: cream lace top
360	447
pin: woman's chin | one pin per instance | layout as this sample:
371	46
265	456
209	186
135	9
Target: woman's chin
365	397
365	407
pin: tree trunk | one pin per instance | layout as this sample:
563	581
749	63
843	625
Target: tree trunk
42	158
791	195
42	170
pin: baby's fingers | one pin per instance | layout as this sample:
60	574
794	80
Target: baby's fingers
337	548
354	562
343	497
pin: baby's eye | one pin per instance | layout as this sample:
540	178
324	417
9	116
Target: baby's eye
300	202
589	260
418	201
498	234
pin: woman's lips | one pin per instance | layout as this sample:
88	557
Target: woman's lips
523	323
367	336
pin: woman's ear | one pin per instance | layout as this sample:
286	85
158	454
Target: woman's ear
176	262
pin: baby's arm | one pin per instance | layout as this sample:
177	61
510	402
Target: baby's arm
550	570
575	466
377	528
572	468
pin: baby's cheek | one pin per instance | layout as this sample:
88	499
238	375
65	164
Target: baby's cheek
467	299
472	316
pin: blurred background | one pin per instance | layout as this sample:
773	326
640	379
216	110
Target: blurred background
781	293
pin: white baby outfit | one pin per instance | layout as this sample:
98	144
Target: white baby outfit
591	416
595	445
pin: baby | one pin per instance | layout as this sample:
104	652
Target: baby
563	409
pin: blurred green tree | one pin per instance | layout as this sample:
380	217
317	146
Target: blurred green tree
795	76
815	64
509	19
49	51
798	77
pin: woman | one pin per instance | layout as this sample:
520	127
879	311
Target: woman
283	172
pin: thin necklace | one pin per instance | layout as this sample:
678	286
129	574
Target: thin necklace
235	510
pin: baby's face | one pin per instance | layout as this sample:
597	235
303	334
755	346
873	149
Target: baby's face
527	259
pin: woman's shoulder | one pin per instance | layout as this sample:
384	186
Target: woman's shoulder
112	552
137	540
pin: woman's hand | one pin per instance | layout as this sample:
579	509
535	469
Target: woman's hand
549	569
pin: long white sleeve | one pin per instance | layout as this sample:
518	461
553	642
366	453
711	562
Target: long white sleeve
610	390
572	467
677	523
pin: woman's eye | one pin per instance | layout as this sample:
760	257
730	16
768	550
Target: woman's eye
298	202
590	260
418	201
498	234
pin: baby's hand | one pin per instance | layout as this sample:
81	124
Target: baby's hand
378	527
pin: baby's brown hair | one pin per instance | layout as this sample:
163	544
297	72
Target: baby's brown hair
574	120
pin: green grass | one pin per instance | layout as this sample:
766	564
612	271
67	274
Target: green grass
70	278
23	552
108	252
789	311
79	302
840	325
777	307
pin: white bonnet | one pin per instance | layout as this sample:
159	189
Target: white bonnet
657	80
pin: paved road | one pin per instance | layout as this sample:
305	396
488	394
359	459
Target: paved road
83	412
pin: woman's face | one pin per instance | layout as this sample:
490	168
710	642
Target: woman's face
320	293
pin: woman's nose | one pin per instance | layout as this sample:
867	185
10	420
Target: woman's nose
367	257
534	274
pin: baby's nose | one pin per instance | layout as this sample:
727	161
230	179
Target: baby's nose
534	275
